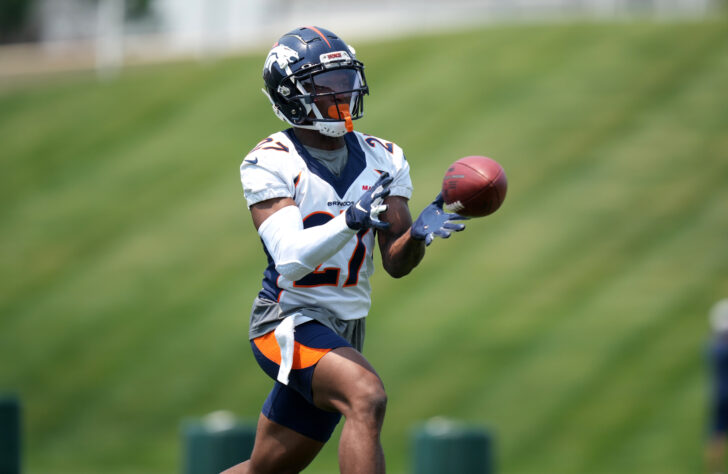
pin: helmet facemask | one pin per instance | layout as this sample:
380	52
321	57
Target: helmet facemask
334	99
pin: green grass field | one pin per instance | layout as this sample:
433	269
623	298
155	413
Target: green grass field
572	322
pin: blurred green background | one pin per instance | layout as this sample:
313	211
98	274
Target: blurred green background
572	322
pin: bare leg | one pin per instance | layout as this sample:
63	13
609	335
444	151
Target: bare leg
715	454
344	381
278	450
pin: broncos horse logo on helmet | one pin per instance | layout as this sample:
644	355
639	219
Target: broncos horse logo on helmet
314	81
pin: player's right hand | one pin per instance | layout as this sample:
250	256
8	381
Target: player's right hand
364	213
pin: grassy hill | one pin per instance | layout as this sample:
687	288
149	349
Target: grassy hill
572	322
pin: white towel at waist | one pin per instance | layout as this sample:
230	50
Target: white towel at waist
284	336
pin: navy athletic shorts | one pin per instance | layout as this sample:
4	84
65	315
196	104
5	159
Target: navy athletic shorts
719	415
292	405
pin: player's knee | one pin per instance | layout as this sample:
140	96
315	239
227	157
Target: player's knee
370	402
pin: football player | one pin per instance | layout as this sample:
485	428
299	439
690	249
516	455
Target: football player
320	195
718	360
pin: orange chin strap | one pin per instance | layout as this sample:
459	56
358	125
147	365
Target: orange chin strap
342	111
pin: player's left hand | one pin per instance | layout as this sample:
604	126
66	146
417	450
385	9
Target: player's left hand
434	221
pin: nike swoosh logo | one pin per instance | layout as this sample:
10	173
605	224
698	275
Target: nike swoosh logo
360	208
254	161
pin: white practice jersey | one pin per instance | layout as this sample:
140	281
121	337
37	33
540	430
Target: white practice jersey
279	166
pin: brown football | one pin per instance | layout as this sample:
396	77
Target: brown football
474	186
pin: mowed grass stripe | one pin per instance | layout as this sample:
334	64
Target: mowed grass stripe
136	184
135	266
634	333
174	371
673	413
651	80
665	362
116	112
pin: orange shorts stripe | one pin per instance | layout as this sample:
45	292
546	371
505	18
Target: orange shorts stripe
303	356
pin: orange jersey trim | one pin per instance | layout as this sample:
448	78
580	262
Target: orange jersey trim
303	356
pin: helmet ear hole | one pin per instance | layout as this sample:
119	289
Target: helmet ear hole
295	110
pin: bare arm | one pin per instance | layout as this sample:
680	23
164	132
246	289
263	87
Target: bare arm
400	252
